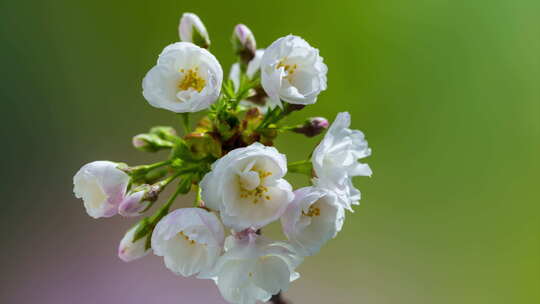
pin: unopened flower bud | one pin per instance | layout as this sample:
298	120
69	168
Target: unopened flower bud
191	29
312	127
244	43
128	250
135	202
150	143
164	132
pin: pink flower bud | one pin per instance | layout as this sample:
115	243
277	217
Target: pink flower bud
244	43
312	127
134	204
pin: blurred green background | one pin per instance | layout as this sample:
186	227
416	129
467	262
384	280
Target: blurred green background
447	93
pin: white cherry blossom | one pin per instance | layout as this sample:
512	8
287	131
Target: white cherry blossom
293	71
254	268
336	160
313	218
186	78
247	187
190	240
102	186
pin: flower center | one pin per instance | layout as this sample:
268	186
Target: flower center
312	211
185	237
289	68
191	80
255	192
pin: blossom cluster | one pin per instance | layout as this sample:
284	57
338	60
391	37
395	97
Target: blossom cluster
228	162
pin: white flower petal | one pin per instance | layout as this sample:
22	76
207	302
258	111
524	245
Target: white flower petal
247	187
335	160
313	218
102	186
271	274
253	268
190	240
293	71
187	78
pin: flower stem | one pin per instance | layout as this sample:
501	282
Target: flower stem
303	166
163	183
154	166
185	122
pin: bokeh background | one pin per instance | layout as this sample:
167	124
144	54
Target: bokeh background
447	93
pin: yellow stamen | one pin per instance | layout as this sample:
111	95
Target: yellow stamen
190	241
313	211
191	80
259	193
289	68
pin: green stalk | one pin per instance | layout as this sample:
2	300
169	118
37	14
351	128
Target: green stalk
303	167
185	122
156	165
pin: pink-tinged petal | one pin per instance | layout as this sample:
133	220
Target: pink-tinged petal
133	204
102	187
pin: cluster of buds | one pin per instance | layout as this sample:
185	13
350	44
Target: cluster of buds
229	162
